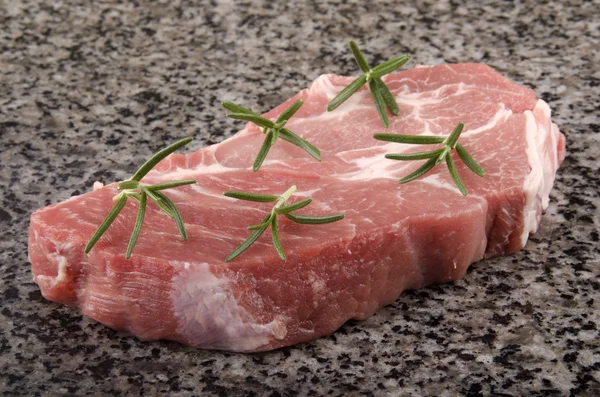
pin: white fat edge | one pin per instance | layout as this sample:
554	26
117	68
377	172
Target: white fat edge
429	97
373	167
538	182
280	163
418	100
59	260
177	193
206	192
533	180
554	134
323	83
209	316
337	114
501	115
306	192
189	173
376	165
374	152
62	267
433	97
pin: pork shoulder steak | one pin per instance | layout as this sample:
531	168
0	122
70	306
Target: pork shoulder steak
393	238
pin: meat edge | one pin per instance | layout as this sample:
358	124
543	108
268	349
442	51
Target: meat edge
209	316
545	153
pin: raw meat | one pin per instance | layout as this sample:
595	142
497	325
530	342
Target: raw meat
394	237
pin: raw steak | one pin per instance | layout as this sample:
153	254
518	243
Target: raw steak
394	237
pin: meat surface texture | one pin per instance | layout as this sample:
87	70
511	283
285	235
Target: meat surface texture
393	238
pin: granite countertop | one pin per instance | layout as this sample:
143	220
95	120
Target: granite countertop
89	89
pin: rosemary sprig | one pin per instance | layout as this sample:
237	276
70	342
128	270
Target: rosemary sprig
434	157
273	130
381	93
131	188
271	219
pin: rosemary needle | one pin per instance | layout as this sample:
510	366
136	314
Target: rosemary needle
271	219
434	157
106	222
382	96
273	130
131	188
138	226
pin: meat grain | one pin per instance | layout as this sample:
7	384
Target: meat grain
393	238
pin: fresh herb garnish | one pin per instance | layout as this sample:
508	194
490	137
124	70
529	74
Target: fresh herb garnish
381	94
131	188
273	130
435	156
271	219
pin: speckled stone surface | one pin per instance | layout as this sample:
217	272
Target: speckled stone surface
88	89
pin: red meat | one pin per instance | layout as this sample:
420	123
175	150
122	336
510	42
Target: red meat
393	238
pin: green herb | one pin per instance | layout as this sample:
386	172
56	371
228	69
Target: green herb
435	156
273	130
381	94
271	219
131	188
